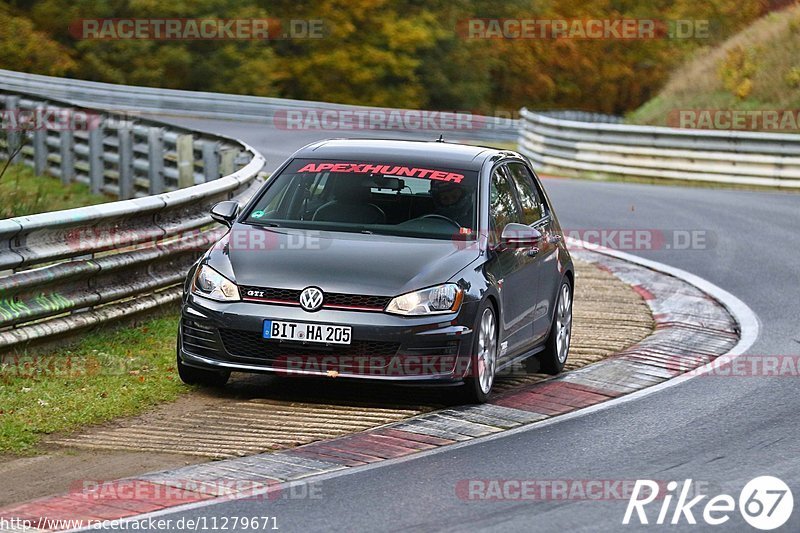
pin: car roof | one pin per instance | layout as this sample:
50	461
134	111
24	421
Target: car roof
445	154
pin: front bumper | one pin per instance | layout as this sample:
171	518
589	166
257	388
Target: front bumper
384	347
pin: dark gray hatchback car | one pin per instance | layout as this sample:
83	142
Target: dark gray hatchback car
385	260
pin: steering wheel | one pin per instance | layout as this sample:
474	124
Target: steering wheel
442	217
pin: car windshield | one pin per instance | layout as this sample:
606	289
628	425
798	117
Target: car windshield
387	198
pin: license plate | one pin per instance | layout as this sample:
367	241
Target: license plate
301	331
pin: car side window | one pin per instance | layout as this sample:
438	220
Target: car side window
529	198
503	206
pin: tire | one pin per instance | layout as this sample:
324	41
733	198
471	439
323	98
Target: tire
478	385
198	376
552	359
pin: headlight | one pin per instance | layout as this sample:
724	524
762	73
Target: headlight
211	284
439	300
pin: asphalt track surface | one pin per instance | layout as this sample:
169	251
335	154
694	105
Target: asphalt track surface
719	431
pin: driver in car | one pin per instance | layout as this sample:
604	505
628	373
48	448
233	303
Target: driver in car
451	200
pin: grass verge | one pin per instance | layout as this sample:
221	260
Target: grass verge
25	193
755	70
107	374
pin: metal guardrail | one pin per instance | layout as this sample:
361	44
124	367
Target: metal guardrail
120	155
558	142
583	116
224	106
67	270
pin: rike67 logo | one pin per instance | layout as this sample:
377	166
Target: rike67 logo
765	503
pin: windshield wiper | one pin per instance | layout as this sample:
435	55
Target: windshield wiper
380	232
267	224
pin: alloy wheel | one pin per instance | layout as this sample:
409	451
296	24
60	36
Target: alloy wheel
487	350
563	323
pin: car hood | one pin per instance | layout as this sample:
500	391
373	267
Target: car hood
351	263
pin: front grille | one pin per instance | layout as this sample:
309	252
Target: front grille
356	300
199	339
289	296
332	300
253	345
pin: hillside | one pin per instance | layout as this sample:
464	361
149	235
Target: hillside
757	69
437	55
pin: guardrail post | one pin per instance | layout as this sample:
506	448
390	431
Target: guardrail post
13	136
184	152
210	160
40	148
227	161
155	153
125	138
96	162
67	156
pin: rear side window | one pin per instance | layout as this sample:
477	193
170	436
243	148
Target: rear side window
530	202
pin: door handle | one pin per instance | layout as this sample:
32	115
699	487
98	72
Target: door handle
533	251
554	239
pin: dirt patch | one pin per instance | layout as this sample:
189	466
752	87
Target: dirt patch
26	478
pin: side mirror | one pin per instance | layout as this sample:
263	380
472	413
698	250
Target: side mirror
225	212
520	236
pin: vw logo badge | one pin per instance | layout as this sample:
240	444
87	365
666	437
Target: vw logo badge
311	299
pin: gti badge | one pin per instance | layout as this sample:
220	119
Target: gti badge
311	299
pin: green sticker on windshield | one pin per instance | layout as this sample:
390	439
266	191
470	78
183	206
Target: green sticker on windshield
257	214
